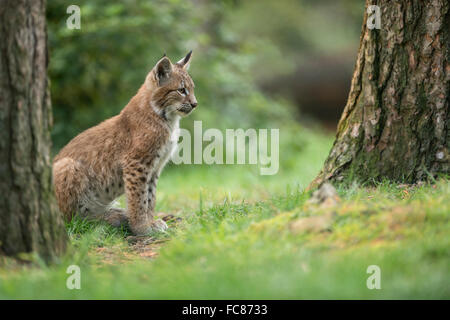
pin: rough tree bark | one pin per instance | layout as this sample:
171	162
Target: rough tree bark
395	123
29	220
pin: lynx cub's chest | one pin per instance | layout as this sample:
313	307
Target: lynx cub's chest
168	149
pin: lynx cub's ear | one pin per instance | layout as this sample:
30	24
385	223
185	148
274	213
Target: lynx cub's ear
163	70
185	62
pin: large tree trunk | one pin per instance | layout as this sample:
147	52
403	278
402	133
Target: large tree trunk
395	124
29	220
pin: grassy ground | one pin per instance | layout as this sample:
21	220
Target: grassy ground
243	235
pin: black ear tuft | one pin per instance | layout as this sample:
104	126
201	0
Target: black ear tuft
188	57
185	61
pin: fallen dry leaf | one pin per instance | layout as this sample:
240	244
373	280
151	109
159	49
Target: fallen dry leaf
167	217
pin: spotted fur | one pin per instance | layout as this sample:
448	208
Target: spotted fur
126	153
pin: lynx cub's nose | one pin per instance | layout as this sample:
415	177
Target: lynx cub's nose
194	104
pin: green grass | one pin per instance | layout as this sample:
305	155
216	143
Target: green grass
236	240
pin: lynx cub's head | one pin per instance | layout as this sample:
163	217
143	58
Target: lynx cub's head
172	88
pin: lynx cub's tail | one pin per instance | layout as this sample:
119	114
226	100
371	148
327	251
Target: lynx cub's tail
69	181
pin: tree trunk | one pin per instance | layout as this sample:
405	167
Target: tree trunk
29	220
395	123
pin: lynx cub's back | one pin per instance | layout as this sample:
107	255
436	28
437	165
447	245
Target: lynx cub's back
126	153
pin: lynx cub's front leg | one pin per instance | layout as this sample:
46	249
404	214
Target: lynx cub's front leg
140	205
151	191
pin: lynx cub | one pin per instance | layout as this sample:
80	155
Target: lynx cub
127	152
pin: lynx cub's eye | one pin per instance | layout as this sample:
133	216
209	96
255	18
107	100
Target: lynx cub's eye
182	91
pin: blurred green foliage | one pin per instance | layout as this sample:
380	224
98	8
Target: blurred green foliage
287	33
96	70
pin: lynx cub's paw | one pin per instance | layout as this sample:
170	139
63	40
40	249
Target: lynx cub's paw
116	217
159	225
156	225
